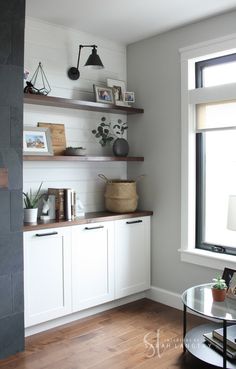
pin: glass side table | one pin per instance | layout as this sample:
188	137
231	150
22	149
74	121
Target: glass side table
199	299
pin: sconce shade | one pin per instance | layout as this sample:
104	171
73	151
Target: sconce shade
231	222
94	60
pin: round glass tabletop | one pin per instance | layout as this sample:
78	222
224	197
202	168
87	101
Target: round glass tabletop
199	299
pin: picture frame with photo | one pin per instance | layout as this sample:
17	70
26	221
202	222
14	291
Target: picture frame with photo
37	141
103	94
229	275
129	97
119	89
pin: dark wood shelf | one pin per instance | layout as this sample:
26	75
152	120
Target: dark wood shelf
93	217
79	104
82	158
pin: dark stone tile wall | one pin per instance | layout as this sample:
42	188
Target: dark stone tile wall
12	20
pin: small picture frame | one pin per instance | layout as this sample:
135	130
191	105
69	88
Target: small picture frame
129	97
118	88
103	94
229	275
37	141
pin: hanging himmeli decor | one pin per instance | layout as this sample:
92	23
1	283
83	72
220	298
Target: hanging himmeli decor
38	84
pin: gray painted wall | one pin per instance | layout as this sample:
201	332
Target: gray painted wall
154	74
11	116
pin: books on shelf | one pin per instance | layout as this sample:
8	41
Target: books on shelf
65	203
231	335
218	345
70	204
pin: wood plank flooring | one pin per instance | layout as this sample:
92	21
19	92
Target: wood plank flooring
112	340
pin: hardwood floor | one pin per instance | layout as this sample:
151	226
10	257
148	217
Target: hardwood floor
112	340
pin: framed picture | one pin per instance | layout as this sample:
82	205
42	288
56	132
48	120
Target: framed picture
228	275
129	97
103	94
37	141
118	88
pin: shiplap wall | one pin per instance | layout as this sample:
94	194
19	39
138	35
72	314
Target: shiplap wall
57	48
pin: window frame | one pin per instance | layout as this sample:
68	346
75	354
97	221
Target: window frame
199	66
190	96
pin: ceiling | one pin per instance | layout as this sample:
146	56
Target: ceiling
125	21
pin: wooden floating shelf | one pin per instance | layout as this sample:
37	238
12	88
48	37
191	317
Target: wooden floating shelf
82	158
79	104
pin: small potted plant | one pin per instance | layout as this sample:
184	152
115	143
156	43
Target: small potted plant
219	289
31	205
108	133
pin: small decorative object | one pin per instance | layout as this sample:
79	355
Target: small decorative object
103	94
119	89
80	209
45	210
120	147
51	203
26	74
75	151
108	133
129	97
58	136
31	205
38	84
37	141
93	61
219	289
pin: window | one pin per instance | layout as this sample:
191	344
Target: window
208	158
215	158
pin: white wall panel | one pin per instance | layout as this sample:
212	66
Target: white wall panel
57	48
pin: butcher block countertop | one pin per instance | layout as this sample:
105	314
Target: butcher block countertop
94	217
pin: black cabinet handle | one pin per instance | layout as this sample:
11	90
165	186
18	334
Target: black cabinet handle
46	234
91	228
134	222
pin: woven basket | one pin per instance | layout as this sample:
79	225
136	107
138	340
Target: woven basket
120	195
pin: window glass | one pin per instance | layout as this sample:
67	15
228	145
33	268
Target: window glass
219	74
220	183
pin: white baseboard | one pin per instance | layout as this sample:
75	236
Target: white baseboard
81	314
165	297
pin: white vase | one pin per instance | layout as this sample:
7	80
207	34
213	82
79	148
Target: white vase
30	215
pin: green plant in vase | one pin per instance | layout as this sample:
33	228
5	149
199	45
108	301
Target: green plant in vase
219	289
31	201
108	133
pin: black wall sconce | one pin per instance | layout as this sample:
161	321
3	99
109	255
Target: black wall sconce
93	61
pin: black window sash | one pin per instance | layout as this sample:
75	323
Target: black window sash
201	166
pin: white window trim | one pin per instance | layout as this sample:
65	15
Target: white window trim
189	97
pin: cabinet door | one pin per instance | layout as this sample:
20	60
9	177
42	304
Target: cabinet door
132	256
47	277
92	264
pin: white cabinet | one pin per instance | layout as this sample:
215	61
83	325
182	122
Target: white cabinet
72	268
92	264
47	274
132	256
